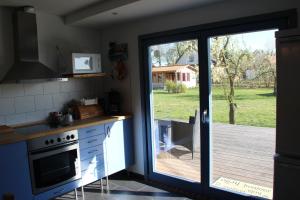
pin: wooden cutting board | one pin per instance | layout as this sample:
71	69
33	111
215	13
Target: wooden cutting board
6	129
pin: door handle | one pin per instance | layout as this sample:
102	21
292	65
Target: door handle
107	131
91	141
204	117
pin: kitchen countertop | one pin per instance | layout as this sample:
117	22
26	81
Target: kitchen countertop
8	135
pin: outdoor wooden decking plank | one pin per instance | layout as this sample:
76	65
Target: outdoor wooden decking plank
243	153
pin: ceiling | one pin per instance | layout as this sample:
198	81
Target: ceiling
56	7
98	13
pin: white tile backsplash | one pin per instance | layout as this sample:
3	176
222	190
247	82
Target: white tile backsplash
43	102
33	89
51	87
15	119
21	103
59	100
24	104
2	120
12	90
7	106
69	86
36	116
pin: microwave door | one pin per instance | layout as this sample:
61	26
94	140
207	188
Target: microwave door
86	63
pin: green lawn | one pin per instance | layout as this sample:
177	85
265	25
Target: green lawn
256	107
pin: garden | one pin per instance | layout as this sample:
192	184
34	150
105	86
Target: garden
255	106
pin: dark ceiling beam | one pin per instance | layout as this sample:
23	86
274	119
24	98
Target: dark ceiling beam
94	9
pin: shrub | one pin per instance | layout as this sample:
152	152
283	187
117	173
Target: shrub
170	85
181	88
173	87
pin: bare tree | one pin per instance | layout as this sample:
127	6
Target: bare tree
157	53
227	56
264	63
179	49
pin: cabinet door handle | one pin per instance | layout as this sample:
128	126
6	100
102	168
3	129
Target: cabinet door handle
89	152
108	131
91	141
93	162
91	130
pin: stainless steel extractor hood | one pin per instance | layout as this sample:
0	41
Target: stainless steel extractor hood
27	66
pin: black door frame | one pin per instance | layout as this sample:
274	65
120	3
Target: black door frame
281	20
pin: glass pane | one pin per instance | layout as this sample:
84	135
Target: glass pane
175	110
243	73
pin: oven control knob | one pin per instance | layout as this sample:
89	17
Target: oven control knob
72	136
51	141
68	137
46	142
58	140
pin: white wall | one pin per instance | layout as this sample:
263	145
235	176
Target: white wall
129	33
21	103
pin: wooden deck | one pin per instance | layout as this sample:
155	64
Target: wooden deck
242	153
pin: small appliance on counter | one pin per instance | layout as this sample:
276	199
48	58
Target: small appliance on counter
113	103
55	119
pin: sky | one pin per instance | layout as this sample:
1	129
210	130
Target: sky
260	40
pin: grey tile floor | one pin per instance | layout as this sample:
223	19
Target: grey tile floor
120	189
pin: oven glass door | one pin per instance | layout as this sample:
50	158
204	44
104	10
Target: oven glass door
56	167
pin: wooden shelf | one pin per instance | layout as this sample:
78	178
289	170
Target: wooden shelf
86	75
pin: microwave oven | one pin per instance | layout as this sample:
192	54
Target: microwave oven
84	63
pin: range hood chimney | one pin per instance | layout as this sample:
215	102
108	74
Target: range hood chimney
27	66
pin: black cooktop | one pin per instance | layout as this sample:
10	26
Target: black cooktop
34	129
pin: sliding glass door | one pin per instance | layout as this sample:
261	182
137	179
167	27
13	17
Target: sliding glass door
210	108
243	112
234	120
175	110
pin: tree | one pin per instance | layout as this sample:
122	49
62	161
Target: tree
264	63
228	56
179	49
157	54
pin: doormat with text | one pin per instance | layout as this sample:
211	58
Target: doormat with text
242	187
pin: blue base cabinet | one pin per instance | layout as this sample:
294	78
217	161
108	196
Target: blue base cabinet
128	141
104	150
91	144
14	171
119	146
58	191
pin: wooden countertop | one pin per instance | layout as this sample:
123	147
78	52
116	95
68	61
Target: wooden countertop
8	135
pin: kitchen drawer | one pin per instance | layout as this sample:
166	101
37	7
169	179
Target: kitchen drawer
92	162
58	191
91	141
91	152
91	131
92	174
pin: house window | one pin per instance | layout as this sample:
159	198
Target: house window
191	58
159	79
188	76
183	76
178	76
